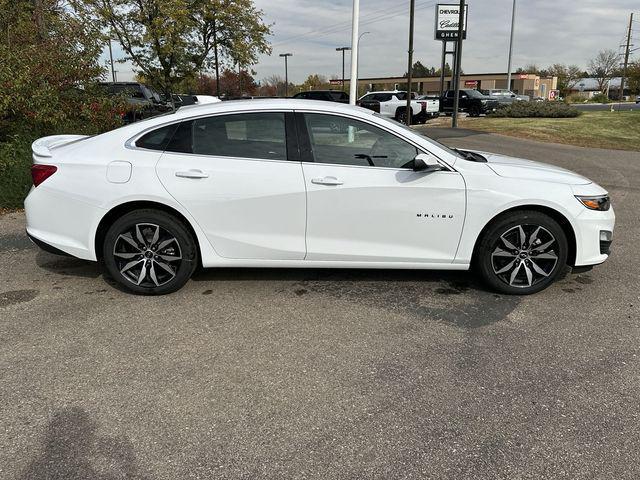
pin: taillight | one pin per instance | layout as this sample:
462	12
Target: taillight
39	173
424	105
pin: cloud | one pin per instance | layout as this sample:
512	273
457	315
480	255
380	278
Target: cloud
547	32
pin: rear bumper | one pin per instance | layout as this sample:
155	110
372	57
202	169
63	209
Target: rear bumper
62	223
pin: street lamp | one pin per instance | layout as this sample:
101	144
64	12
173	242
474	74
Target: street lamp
342	49
358	60
513	21
286	73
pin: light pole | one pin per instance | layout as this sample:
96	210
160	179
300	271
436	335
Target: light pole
353	81
358	61
113	72
513	21
286	73
342	49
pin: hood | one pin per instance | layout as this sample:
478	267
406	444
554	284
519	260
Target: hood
512	167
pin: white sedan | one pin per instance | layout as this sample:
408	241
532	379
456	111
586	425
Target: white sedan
299	183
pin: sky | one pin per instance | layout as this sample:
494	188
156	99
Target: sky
547	31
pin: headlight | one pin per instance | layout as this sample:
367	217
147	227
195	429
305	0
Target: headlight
483	102
599	202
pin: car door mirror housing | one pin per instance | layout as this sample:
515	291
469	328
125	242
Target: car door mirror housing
426	163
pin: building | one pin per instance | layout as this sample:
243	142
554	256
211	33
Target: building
521	83
588	87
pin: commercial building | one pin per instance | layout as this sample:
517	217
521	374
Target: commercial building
521	83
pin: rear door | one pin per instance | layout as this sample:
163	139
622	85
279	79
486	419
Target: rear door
364	201
239	177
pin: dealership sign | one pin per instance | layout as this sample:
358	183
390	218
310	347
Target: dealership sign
447	17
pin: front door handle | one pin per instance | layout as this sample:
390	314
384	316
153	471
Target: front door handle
194	173
326	181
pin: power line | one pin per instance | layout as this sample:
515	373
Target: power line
373	18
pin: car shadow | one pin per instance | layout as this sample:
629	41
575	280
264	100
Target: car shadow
68	266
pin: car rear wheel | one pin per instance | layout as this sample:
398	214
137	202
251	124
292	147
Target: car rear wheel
401	115
150	252
522	253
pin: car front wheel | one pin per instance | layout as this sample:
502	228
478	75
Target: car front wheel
150	252
522	253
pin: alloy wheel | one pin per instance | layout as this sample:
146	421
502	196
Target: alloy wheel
147	255
524	255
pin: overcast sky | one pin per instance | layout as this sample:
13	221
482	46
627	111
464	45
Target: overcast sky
547	31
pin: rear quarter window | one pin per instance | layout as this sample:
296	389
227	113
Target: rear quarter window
157	139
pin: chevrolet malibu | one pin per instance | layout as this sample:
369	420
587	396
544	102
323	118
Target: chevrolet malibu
299	183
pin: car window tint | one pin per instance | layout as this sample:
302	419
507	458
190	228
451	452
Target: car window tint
344	141
157	139
246	135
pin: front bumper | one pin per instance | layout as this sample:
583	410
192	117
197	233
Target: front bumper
590	248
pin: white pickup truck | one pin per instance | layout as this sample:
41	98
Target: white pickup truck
393	104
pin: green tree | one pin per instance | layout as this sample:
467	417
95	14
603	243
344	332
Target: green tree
568	76
315	82
170	40
633	74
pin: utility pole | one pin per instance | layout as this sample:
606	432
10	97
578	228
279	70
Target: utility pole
408	112
513	22
286	73
626	58
353	80
458	62
342	49
113	72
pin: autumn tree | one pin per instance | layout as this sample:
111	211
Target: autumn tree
169	40
568	76
315	82
604	67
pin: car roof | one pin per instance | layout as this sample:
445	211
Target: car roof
268	104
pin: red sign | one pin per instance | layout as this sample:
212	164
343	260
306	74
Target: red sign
471	83
554	94
335	81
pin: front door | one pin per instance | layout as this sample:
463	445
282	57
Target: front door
365	203
233	175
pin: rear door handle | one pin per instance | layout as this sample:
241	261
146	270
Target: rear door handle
326	181
192	174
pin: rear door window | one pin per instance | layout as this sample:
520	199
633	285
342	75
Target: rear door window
245	135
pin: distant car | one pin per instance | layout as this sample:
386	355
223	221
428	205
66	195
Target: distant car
470	101
638	99
505	96
144	101
393	104
326	95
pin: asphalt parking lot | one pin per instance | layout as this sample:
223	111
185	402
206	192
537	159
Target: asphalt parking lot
326	374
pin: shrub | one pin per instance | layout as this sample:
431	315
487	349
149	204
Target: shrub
537	109
15	177
600	98
575	98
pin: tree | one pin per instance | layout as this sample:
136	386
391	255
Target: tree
604	67
232	84
419	70
568	76
49	67
315	82
633	74
273	86
169	40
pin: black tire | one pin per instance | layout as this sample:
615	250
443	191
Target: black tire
162	264
536	266
401	115
474	111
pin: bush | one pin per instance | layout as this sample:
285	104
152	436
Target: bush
600	98
537	109
575	98
15	176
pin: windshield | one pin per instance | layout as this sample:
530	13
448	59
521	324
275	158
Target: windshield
435	142
474	93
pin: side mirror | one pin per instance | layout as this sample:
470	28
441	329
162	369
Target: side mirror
426	163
